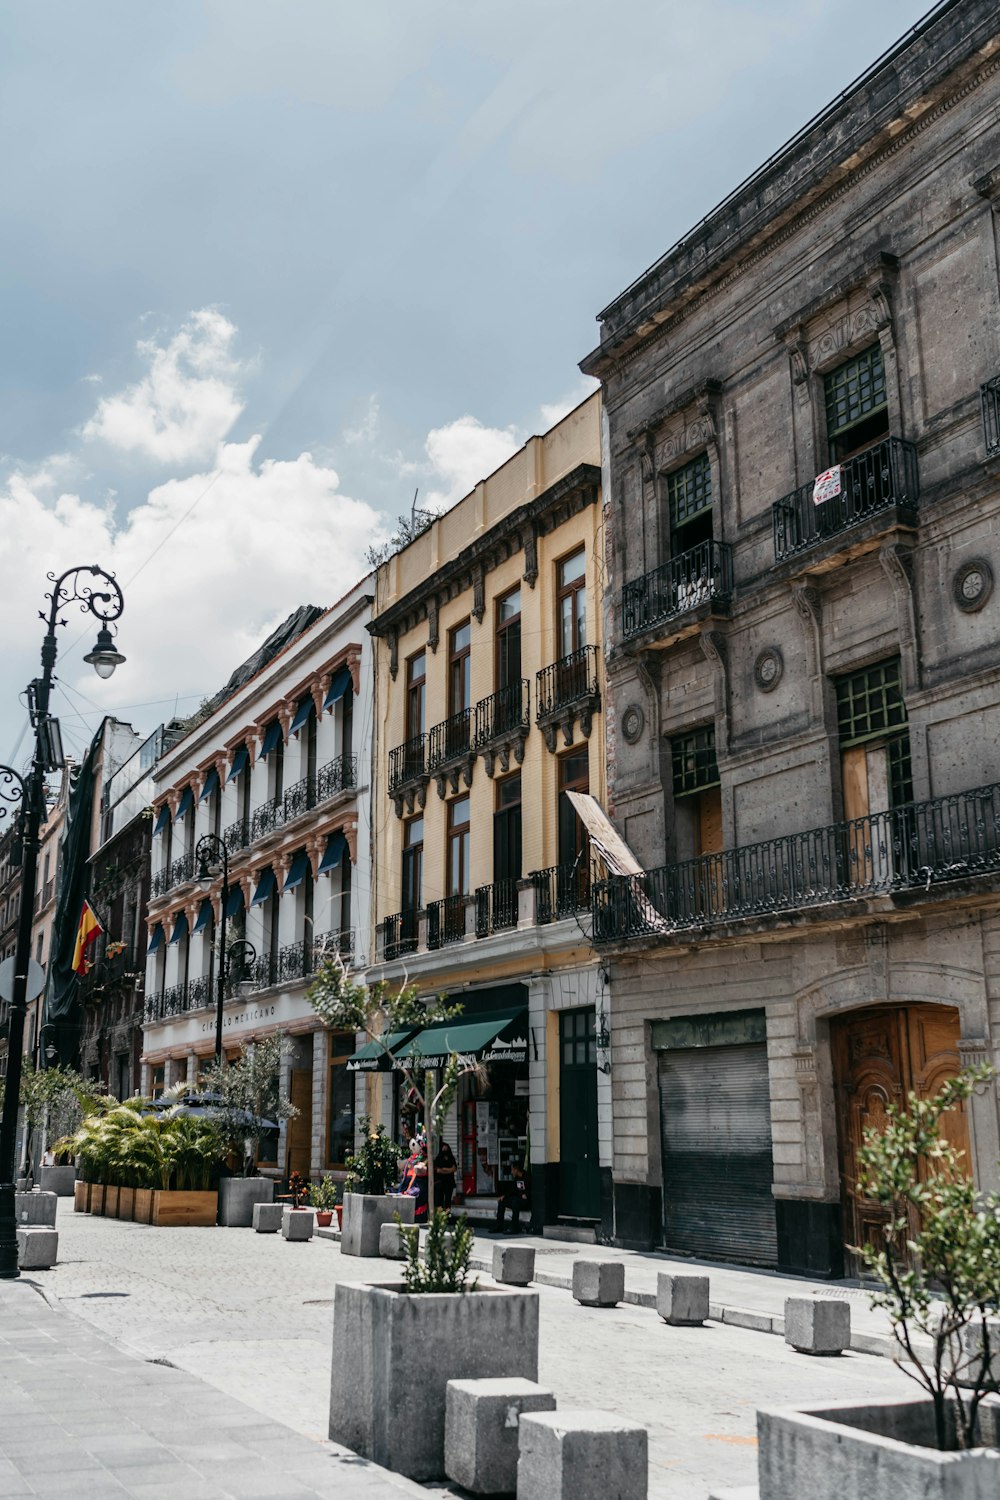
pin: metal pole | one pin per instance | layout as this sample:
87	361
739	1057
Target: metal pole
221	997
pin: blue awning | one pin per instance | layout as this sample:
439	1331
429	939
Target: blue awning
303	714
162	820
155	938
266	887
297	873
339	684
204	916
211	785
241	761
186	804
272	739
336	848
180	927
234	901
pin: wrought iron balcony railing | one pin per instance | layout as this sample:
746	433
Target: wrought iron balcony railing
505	713
399	934
266	818
561	890
336	776
408	763
496	907
449	741
991	416
173	874
201	992
566	682
909	847
237	836
446	921
704	575
883	477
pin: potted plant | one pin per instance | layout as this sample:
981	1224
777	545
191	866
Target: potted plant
246	1101
938	1270
371	1170
323	1197
393	1340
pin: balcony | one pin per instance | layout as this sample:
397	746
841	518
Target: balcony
399	934
701	579
266	818
450	752
880	482
909	848
176	873
408	772
446	921
338	775
503	721
496	908
237	836
566	691
561	891
991	416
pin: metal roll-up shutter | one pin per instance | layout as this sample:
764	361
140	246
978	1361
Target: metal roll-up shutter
716	1123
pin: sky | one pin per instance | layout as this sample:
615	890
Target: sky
270	268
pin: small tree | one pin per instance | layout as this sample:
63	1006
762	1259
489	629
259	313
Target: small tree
249	1095
948	1286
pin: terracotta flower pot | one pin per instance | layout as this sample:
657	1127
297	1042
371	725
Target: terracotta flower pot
339	1211
324	1217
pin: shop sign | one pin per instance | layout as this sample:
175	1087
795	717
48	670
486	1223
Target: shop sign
245	1017
826	485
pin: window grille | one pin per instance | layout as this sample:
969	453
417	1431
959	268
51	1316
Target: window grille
689	490
694	763
854	391
870	703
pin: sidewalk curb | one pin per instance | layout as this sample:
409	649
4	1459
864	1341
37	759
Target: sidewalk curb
736	1317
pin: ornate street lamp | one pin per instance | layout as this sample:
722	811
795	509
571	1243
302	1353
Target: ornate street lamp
96	591
211	856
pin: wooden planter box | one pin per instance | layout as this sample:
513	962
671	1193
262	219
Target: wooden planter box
81	1197
176	1208
126	1203
142	1211
97	1191
111	1202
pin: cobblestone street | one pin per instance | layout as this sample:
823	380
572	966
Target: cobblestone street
252	1315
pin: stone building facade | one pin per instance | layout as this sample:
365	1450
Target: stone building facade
804	665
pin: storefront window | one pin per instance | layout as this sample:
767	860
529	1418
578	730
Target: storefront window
340	1132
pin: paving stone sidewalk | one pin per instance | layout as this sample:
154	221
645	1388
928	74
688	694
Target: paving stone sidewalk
83	1418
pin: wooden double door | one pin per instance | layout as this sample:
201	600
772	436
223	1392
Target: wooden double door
879	1057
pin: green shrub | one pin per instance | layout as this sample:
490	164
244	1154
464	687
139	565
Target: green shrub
446	1266
374	1166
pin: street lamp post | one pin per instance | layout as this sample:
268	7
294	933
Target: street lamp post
211	855
96	591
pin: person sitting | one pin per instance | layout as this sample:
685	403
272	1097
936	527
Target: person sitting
445	1167
513	1195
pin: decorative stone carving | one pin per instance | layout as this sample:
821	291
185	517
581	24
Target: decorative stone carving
633	722
897	564
447	779
972	584
393	654
529	542
433	635
768	669
478	595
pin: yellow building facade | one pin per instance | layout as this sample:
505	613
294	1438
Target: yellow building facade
488	701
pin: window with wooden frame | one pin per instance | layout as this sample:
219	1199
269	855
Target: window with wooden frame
460	668
873	728
458	847
857	410
689	505
695	775
507	829
340	1101
416	695
413	864
508	637
571	602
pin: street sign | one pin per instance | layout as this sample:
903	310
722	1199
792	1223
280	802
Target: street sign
36	980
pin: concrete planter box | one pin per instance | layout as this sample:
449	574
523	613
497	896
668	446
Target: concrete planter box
126	1203
237	1196
882	1450
35	1209
390	1349
364	1215
173	1209
142	1211
58	1180
81	1197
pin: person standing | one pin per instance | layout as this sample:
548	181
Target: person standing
445	1169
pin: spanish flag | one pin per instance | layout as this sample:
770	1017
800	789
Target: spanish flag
89	929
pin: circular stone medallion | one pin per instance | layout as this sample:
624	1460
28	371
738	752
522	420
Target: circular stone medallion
767	669
633	723
972	585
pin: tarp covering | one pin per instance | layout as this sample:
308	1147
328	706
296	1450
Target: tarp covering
211	784
63	1012
336	848
605	840
339	683
241	761
303	714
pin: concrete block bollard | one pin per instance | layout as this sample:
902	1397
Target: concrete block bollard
36	1208
37	1247
267	1217
817	1325
58	1180
682	1300
390	1242
298	1224
481	1431
514	1265
599	1283
581	1455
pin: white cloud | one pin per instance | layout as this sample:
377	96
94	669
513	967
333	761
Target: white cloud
463	452
554	411
239	547
367	428
185	403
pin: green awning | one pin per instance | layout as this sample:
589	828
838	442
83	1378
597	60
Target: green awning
378	1057
501	1036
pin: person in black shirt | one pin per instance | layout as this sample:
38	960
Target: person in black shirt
513	1195
445	1168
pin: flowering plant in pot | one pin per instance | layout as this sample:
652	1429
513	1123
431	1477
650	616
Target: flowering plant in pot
323	1198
